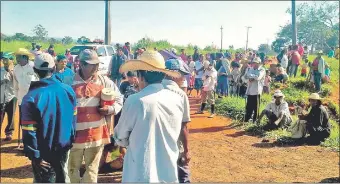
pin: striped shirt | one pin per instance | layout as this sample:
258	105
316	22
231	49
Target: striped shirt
91	128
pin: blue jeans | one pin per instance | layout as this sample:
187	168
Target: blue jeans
317	80
293	70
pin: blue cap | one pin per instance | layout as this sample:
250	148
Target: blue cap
177	65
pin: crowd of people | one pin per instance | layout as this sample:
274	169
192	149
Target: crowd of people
75	118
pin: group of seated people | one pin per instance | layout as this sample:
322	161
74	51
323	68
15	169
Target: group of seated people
315	123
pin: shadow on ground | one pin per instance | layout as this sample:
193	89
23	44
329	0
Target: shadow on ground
208	130
331	180
25	172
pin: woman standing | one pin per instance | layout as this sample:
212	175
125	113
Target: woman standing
222	81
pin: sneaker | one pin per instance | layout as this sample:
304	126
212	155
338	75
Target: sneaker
212	115
8	138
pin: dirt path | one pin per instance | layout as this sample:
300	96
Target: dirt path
219	154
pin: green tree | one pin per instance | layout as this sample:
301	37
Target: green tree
316	24
265	48
82	39
67	40
40	32
279	44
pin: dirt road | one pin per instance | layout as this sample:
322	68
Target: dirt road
219	153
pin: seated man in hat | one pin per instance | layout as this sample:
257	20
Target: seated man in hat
173	84
317	125
277	113
150	123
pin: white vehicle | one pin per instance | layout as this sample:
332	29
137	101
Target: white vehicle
104	52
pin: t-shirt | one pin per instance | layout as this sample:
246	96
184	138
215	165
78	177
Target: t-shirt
198	66
296	58
66	76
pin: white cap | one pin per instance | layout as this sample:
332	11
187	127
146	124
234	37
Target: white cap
44	61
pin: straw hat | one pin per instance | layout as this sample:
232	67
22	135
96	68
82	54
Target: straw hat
257	60
315	96
24	52
320	52
149	61
278	93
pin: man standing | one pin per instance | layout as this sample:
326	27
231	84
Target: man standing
210	80
184	56
199	70
295	57
150	123
69	58
64	73
92	130
116	62
318	67
173	84
48	123
277	113
23	74
255	75
8	101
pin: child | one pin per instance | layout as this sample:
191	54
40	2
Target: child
234	77
304	69
327	73
267	81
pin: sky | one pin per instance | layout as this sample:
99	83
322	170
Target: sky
179	22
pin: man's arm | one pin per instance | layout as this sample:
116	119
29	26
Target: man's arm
117	106
29	121
131	113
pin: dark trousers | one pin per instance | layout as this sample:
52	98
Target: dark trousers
242	90
317	80
116	118
315	136
183	172
58	171
8	108
252	106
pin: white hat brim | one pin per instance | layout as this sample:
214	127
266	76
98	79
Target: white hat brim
135	64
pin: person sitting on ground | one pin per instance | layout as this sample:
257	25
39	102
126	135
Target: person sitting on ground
281	76
317	125
277	113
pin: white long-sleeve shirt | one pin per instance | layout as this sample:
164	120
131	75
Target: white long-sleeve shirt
277	109
255	87
6	91
23	76
150	126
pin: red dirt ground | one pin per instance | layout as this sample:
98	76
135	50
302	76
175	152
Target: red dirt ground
219	153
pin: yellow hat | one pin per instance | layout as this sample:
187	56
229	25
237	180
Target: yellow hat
149	61
24	52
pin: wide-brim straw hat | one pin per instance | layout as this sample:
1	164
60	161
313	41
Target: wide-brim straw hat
315	96
148	61
278	93
257	60
24	52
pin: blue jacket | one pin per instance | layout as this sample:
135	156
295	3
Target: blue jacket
48	118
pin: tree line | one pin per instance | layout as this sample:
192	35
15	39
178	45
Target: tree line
317	26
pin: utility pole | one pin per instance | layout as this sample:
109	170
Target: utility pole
107	23
221	37
294	22
248	27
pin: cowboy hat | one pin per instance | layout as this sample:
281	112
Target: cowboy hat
320	52
24	52
278	93
149	61
314	96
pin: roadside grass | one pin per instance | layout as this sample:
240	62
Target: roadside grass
296	92
13	46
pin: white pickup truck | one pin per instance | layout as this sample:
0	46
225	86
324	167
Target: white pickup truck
104	52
